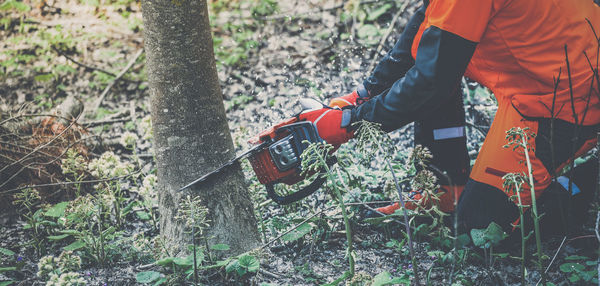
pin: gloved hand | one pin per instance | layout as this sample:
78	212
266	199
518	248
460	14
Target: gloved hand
331	123
355	98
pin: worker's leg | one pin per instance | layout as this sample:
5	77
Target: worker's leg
483	200
443	133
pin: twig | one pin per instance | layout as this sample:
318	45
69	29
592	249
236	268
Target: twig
406	224
481	128
107	121
553	258
387	34
369	203
72	183
270	274
35	115
39	147
293	228
82	64
45	163
117	78
286	15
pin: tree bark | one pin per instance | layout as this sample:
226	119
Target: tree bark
191	134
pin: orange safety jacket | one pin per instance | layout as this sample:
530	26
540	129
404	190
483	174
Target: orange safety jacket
516	48
521	51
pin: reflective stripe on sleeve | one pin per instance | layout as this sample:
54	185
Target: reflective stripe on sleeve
448	133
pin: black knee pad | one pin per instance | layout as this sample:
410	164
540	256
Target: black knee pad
480	204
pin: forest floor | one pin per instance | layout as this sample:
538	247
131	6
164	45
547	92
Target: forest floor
269	54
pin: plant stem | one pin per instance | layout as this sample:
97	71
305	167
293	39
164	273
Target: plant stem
263	229
597	204
406	224
194	250
523	239
536	218
350	248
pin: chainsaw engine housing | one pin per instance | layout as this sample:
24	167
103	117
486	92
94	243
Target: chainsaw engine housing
280	161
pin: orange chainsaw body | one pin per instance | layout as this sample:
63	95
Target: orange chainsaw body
279	161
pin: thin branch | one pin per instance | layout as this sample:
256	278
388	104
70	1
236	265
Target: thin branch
107	121
571	86
71	183
293	228
286	15
553	258
597	225
387	34
82	64
115	80
364	204
39	147
407	224
34	115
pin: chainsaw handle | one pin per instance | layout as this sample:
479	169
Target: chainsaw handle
301	194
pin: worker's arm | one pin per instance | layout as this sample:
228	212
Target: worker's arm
392	67
444	51
397	61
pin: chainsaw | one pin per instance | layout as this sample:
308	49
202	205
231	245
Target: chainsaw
275	157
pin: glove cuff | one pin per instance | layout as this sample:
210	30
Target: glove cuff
346	118
362	92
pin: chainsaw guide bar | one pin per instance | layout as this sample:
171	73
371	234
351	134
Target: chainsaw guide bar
254	149
276	159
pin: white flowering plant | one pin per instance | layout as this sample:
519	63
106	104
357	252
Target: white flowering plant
149	198
66	279
129	140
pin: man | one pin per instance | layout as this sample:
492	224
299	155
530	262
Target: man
516	48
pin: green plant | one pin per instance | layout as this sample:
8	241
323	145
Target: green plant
58	270
183	267
66	279
13	5
68	261
86	221
315	160
146	277
513	184
262	8
128	140
488	238
110	194
193	213
46	266
148	200
385	278
243	264
34	217
370	136
239	102
74	167
580	269
308	274
518	138
9	261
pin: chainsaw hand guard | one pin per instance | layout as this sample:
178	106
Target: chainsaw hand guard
294	197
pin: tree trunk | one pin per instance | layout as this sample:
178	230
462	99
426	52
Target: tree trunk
191	134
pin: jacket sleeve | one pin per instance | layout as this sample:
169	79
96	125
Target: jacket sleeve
398	60
444	51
